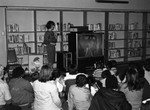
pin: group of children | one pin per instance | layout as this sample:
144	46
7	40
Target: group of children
54	89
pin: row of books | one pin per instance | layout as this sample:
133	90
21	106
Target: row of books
19	38
22	50
135	52
114	53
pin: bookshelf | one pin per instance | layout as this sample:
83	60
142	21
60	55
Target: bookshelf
20	34
127	32
116	36
135	36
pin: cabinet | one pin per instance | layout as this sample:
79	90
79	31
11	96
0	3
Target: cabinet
127	33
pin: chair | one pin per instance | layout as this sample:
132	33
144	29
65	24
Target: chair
12	61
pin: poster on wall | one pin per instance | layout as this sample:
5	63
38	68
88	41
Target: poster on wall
35	63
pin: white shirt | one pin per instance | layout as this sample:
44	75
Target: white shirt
4	92
60	84
46	96
72	76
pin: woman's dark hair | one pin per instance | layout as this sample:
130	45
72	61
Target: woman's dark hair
50	24
18	72
133	78
45	73
81	80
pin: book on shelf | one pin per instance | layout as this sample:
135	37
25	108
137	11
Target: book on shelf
135	52
41	49
45	60
26	49
15	38
114	53
19	50
22	49
40	38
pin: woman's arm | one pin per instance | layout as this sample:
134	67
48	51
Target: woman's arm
7	95
70	100
55	96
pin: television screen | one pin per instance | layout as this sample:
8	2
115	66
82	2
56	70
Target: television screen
90	45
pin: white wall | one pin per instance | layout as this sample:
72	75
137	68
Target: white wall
133	4
3	56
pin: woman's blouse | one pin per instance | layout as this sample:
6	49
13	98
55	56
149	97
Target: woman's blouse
46	96
134	97
4	92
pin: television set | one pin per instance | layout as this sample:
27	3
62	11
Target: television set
86	47
112	1
90	45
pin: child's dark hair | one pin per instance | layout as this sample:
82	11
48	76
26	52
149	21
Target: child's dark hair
111	82
57	73
50	24
35	76
106	73
91	81
111	64
81	80
73	69
18	72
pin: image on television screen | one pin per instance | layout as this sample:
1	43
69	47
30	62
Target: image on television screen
90	45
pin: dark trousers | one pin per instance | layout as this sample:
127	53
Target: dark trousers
2	107
51	54
10	107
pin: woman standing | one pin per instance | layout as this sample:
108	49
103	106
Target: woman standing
133	88
50	42
46	93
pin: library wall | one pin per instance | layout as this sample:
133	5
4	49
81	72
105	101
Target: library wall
3	55
133	4
86	4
